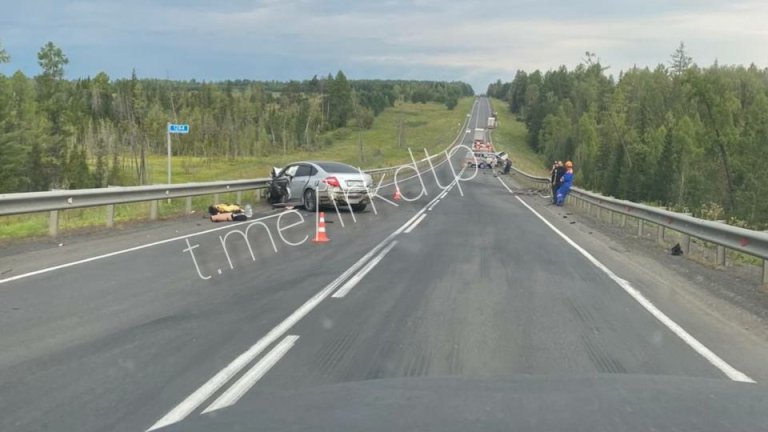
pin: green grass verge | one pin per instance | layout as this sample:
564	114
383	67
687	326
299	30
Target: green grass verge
426	126
511	136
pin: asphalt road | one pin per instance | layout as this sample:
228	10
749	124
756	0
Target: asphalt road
470	282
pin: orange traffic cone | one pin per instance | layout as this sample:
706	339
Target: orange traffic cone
396	197
320	236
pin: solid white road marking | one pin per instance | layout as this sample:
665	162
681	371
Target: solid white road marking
347	287
731	372
133	249
433	205
505	185
242	385
194	400
418	221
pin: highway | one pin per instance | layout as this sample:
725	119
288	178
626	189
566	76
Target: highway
471	279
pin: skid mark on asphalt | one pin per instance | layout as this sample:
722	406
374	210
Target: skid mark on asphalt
332	354
382	361
604	362
417	365
454	359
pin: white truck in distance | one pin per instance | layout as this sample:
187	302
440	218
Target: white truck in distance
482	155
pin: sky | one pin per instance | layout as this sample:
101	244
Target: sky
475	42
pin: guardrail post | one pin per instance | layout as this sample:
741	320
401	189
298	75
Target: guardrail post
215	199
188	205
721	256
639	227
53	223
239	197
660	233
111	216
765	275
612	216
686	244
153	210
623	220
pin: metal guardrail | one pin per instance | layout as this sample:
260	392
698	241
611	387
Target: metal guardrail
20	203
56	201
754	243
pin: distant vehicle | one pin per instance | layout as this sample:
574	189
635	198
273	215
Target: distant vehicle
481	160
491	123
479	138
304	183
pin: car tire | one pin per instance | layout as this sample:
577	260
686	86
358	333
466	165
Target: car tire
359	207
310	200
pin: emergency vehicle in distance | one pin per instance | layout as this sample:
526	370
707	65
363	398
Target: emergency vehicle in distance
483	155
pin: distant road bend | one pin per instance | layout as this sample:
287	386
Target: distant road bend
145	329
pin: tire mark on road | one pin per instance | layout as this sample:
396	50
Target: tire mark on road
331	354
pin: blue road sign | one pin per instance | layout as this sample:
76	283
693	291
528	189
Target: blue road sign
178	128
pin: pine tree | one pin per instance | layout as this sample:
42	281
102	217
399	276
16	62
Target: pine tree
4	57
52	98
340	101
680	61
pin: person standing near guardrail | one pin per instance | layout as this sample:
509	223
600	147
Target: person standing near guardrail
558	170
507	166
565	184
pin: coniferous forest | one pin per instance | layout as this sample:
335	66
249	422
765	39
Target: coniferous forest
57	132
680	135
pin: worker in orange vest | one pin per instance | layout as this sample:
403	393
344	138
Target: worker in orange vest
565	184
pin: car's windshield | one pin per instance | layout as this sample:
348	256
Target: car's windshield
290	170
259	215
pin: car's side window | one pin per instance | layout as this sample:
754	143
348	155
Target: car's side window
313	170
303	171
290	171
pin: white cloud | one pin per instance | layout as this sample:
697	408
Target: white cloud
732	35
476	42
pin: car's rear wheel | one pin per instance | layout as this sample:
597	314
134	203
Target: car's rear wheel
310	201
359	207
